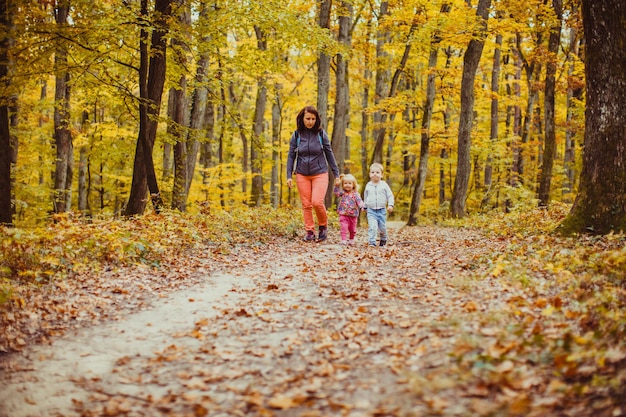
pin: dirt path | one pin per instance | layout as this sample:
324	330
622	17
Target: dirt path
298	330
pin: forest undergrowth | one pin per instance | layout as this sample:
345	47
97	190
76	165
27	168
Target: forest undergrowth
553	346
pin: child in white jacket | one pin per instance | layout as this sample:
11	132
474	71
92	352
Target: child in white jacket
379	200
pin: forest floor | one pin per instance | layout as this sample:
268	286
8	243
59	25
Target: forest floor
422	327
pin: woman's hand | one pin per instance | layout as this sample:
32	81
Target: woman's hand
289	183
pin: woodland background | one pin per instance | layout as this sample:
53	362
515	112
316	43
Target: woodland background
474	109
388	77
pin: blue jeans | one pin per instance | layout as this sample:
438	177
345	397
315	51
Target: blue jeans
376	223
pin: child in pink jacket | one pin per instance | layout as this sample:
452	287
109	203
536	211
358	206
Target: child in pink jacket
349	207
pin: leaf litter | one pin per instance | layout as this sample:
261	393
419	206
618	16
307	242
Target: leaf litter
427	326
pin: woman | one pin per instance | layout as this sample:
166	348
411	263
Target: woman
310	155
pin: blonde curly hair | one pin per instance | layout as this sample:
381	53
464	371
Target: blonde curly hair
349	178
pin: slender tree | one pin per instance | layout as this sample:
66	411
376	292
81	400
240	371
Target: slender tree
549	148
600	206
365	98
62	133
151	80
6	25
470	65
323	65
258	143
275	190
381	87
201	110
6	215
180	113
83	165
429	103
494	119
574	95
342	94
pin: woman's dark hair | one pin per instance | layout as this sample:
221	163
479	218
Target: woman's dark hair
300	119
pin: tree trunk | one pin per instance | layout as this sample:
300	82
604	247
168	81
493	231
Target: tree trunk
168	155
323	66
342	97
549	149
180	116
447	111
574	91
422	170
258	143
151	82
515	113
62	133
380	83
493	131
245	146
6	211
365	117
533	71
442	177
429	103
83	164
206	149
275	188
199	110
470	65
377	155
600	206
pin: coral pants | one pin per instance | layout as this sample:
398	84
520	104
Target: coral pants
312	191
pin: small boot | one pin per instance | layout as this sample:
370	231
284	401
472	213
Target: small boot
323	233
383	242
310	236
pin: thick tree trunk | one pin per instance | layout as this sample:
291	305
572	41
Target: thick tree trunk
151	82
6	211
549	150
62	133
470	65
600	206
